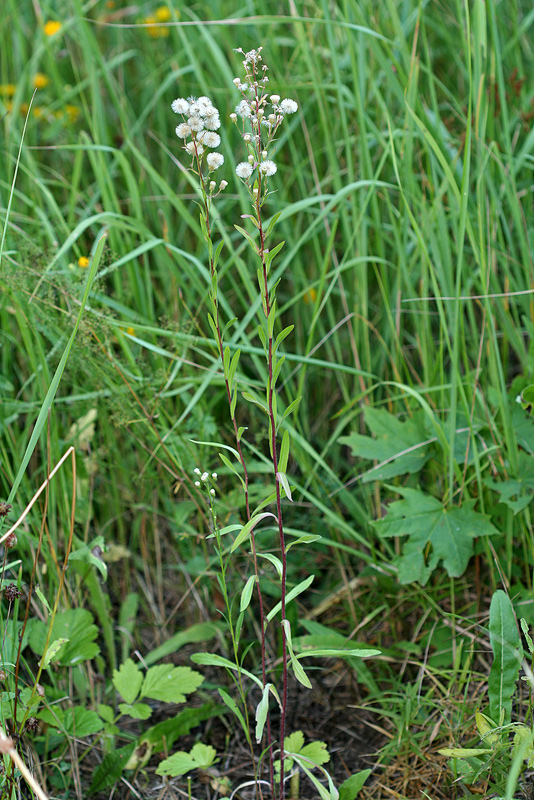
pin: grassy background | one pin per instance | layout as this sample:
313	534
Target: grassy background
405	187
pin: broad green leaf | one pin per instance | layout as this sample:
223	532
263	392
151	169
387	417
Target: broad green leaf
316	752
136	711
127	680
163	735
81	722
350	788
516	493
109	771
170	684
76	626
201	756
400	447
294	742
435	533
507	656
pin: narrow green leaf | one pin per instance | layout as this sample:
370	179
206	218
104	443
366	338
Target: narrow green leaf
232	705
284	452
262	710
248	237
214	660
284	483
272	222
246	594
250	525
302	586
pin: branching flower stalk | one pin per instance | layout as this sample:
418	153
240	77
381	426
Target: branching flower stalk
200	121
258	125
258	129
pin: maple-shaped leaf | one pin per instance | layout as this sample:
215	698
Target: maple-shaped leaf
517	493
399	447
435	533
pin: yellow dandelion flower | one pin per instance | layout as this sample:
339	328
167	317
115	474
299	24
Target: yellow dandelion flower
83	262
24	108
51	27
110	3
310	296
38	112
131	331
154	30
163	14
73	113
8	89
40	80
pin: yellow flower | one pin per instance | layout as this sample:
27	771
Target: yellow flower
24	108
73	112
51	27
310	296
7	89
38	111
163	14
130	331
40	80
83	262
154	30
110	3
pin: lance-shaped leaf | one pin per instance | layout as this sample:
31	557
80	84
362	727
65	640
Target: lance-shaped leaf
507	656
435	533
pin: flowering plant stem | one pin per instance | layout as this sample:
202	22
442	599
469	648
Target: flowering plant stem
200	121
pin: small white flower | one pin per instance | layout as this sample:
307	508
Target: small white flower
237	81
211	111
212	183
264	154
212	492
204	477
210	139
197	483
183	130
223	185
195	123
243	170
268	168
214	476
233	117
275	99
212	123
246	137
242	87
180	106
288	106
215	160
243	109
196	471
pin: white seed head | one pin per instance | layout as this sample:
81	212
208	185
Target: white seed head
190	148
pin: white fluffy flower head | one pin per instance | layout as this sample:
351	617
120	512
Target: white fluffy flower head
244	170
268	168
183	130
180	106
288	106
215	160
